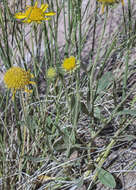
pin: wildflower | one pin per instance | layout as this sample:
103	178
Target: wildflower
122	1
51	73
69	64
108	2
17	78
34	14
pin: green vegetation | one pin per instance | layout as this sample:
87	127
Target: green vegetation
73	101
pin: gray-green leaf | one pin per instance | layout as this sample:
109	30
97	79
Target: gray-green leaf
104	82
127	112
106	178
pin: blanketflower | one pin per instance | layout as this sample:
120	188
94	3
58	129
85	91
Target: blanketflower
51	73
69	64
34	14
108	2
17	78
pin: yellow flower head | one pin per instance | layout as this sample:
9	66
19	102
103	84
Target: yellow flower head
34	14
108	2
51	73
69	64
17	78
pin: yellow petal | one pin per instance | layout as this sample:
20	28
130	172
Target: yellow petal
122	1
27	21
36	3
31	82
20	16
32	76
46	18
44	7
49	14
103	5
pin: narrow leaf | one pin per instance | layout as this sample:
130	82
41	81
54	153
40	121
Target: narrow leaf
127	112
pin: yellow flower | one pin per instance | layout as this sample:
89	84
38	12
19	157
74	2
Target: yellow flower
34	14
69	64
108	2
17	78
51	73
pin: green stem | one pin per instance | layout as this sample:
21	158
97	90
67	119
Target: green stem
124	20
126	73
65	30
17	119
106	153
77	103
80	31
93	69
130	18
94	30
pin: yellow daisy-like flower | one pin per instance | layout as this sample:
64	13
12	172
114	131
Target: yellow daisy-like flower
108	2
17	78
34	14
51	73
69	64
